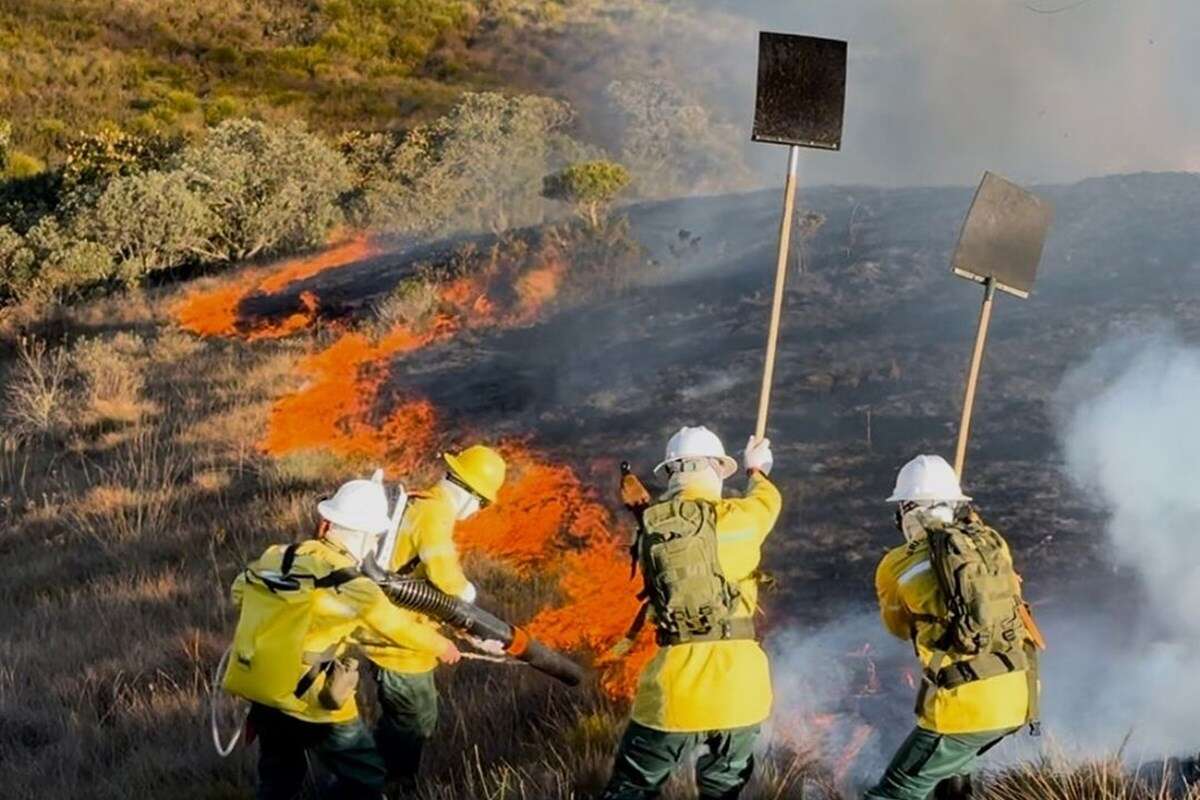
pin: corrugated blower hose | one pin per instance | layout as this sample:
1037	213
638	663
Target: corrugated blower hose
419	595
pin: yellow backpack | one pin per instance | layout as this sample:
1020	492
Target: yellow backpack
268	663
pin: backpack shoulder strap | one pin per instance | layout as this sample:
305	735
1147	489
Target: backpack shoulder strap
289	558
337	578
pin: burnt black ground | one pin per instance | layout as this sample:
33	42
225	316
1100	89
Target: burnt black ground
875	323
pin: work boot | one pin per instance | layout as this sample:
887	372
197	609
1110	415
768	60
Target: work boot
956	788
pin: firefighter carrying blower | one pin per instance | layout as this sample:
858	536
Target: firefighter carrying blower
299	605
951	589
709	684
424	547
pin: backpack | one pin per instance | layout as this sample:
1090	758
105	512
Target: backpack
980	587
986	617
684	583
268	662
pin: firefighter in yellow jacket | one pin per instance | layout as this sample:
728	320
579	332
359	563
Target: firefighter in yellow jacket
299	605
425	548
709	685
962	713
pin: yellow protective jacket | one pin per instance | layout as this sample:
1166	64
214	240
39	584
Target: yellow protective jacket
908	596
358	607
718	685
426	538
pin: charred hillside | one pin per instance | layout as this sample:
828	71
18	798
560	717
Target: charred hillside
874	349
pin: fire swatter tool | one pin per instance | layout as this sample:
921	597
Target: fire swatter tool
1000	246
800	103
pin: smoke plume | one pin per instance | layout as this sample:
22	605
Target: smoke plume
939	90
1130	437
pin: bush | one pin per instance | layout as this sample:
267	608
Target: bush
387	168
589	186
489	155
94	159
148	222
268	189
672	143
47	263
22	166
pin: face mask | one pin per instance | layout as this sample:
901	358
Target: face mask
702	478
912	522
357	543
468	509
466	504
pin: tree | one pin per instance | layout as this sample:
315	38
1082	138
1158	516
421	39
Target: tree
590	186
479	167
672	143
148	222
269	189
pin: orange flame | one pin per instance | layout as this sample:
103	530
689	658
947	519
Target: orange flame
215	312
546	518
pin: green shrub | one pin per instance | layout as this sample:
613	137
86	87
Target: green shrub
268	189
589	186
22	166
183	102
46	263
95	158
222	108
148	222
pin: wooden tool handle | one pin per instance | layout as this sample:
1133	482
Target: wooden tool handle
785	236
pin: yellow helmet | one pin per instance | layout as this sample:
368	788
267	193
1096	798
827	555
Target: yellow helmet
481	469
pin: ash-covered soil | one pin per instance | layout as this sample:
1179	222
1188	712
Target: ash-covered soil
874	349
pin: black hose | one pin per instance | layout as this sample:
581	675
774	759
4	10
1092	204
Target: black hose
419	595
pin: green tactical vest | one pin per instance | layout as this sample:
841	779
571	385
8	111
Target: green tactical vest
685	586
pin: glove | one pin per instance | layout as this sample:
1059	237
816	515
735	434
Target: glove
758	455
492	647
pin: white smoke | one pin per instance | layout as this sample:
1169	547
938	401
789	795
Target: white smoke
1120	674
1129	422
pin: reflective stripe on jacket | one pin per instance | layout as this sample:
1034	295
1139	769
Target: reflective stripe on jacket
358	605
718	685
427	535
908	595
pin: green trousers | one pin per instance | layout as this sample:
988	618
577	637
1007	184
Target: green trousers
409	715
345	748
646	758
927	758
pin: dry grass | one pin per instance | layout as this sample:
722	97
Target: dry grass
36	390
1063	779
110	369
409	303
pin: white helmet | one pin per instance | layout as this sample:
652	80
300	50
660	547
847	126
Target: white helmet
359	505
698	442
927	479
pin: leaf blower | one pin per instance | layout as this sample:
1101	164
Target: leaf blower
418	594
